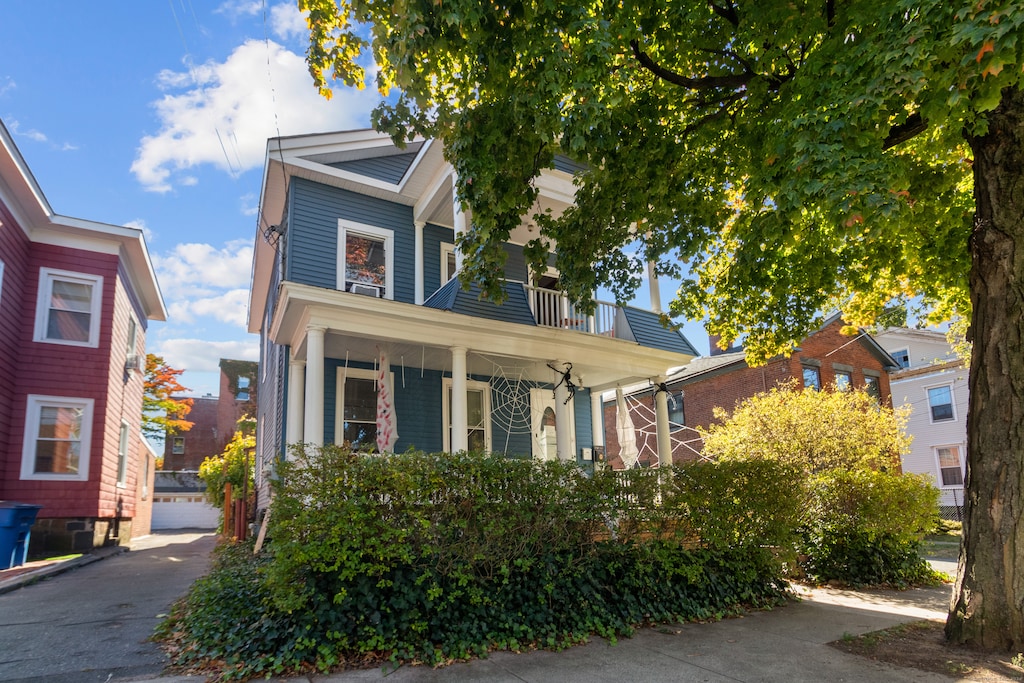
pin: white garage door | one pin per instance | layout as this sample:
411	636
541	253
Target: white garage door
184	512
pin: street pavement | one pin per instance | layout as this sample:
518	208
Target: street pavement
91	624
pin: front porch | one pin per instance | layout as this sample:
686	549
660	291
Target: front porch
539	384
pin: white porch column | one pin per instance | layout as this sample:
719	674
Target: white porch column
420	265
596	419
460	222
460	408
655	289
661	420
563	416
296	400
313	426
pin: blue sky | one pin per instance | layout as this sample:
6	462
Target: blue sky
156	115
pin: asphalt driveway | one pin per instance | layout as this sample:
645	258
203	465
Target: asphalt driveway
92	623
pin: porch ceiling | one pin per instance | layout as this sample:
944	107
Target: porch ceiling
418	337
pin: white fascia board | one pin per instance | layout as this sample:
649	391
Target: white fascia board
425	203
355	178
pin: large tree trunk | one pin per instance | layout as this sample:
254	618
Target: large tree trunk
987	609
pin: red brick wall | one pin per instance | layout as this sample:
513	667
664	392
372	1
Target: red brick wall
204	439
731	385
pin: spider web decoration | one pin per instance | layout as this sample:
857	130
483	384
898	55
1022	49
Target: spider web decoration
685	440
510	399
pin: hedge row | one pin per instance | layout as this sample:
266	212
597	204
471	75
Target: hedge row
432	558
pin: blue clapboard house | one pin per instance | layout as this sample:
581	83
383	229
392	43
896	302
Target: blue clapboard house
355	266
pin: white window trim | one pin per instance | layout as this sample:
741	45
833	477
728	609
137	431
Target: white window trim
952	403
363	230
938	465
339	409
28	451
446	418
123	447
46	278
446	249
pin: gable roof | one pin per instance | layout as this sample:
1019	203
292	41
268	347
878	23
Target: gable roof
22	196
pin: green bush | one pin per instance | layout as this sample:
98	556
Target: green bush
866	527
434	558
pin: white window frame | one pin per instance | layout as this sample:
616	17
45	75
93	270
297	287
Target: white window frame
952	403
938	465
122	455
904	350
446	410
33	408
47	276
362	230
132	343
339	409
448	249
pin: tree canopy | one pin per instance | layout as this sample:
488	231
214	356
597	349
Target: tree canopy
785	158
163	409
775	147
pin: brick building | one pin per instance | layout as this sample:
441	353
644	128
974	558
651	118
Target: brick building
827	358
214	418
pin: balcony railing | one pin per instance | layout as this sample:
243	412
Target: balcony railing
552	308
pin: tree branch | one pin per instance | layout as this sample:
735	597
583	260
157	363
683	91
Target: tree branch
913	126
708	83
728	13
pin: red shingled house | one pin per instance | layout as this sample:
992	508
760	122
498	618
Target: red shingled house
75	300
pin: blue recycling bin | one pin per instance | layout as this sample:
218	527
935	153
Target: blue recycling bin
16	520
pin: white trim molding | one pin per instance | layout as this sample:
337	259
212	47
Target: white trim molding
44	305
79	437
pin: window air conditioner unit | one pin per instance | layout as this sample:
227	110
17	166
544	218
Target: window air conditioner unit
135	362
366	290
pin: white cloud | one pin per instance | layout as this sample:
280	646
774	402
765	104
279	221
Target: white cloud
32	134
204	281
224	120
200	360
235	9
7	86
231	307
286	21
249	204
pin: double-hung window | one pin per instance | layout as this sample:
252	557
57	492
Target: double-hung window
68	308
873	387
902	357
676	413
478	415
940	401
365	260
950	466
355	421
122	456
57	438
844	382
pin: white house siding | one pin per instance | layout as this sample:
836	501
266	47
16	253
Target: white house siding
932	363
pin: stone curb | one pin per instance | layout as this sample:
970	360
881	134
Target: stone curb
25	578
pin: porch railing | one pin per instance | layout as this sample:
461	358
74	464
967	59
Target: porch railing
552	308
